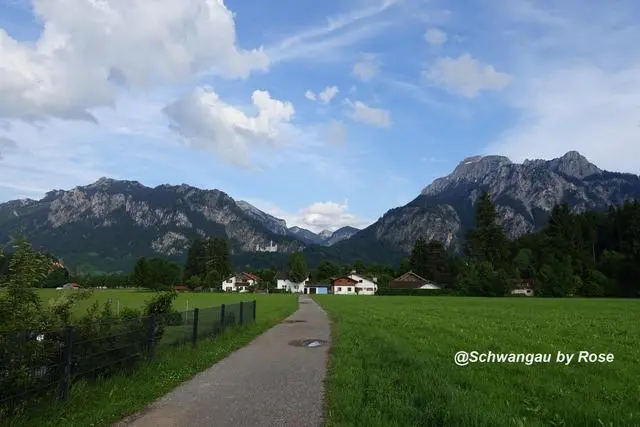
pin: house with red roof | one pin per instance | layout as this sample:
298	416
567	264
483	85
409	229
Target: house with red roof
240	282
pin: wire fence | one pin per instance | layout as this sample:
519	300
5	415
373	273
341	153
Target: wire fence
37	365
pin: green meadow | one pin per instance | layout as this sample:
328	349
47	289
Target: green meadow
134	298
392	362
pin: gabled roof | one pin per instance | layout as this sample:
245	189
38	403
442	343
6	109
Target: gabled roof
410	280
251	276
334	279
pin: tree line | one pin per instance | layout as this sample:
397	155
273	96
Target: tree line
588	254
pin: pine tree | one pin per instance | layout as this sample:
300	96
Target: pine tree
195	265
488	241
297	267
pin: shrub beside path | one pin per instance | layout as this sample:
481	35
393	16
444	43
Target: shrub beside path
267	383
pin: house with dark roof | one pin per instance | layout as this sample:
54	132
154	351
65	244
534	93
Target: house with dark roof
240	282
411	280
286	283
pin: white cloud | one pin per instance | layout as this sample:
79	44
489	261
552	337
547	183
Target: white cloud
316	217
325	42
81	58
311	96
466	75
582	108
328	94
361	112
435	36
578	85
367	68
207	122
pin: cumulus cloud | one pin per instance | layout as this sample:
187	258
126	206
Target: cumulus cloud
466	75
81	58
367	68
361	112
325	95
328	94
316	217
207	122
435	36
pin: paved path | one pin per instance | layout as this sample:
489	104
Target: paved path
267	383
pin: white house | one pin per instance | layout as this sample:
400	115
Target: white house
523	288
343	285
364	286
284	282
241	282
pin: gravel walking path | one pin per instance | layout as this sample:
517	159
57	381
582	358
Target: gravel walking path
267	383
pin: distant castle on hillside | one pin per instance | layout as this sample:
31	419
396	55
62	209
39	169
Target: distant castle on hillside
270	248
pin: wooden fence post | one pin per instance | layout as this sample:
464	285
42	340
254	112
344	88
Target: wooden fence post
222	325
241	312
67	357
151	335
196	315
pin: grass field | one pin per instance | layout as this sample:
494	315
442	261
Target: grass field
392	362
109	400
137	298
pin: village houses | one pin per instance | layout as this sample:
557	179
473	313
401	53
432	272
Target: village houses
240	282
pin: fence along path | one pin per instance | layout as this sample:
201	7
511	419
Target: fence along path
45	364
273	381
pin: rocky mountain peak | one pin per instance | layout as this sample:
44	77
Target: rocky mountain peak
574	164
111	185
325	233
471	169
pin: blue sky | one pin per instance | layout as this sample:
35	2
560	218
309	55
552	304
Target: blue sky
323	113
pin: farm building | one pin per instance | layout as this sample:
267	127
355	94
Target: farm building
284	282
523	288
411	280
240	282
69	286
317	288
353	284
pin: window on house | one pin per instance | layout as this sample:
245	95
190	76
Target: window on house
360	281
229	280
348	289
339	289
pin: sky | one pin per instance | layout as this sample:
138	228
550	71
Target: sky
324	114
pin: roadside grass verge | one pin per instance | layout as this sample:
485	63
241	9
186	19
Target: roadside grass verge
109	400
391	362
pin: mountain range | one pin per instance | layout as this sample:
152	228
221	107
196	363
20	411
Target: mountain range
108	224
523	193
